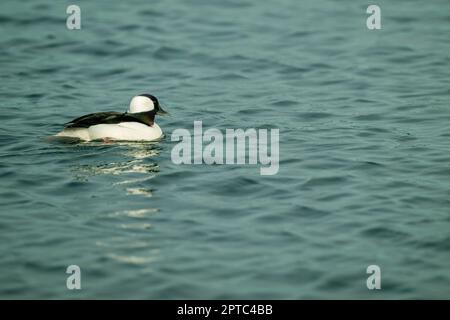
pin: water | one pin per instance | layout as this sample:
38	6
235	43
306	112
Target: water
364	150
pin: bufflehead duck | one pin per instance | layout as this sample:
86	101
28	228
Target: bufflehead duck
137	124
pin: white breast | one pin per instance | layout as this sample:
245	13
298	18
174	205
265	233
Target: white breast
125	131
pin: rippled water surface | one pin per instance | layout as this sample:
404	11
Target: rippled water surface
364	150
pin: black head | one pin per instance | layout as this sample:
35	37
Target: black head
158	108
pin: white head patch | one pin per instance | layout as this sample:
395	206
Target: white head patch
140	104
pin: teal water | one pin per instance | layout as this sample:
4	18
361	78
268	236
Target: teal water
364	150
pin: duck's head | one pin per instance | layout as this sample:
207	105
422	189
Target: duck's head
145	103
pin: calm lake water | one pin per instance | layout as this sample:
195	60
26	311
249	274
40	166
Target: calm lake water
364	150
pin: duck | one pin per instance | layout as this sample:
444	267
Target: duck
136	124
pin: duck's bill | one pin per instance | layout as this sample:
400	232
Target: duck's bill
161	112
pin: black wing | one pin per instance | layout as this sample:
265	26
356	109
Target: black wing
100	118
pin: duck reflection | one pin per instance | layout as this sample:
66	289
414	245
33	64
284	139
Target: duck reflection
130	173
136	154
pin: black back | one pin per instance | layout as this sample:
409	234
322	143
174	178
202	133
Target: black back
112	118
